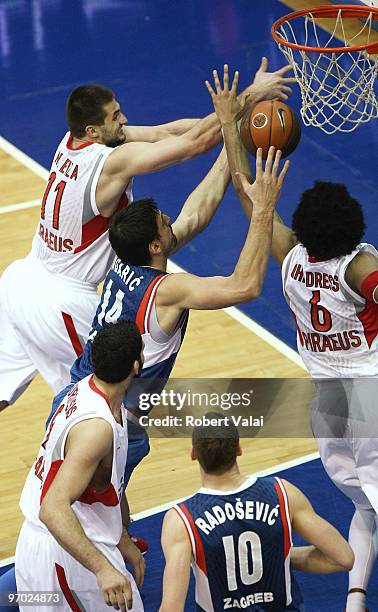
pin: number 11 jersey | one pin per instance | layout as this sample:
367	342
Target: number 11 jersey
72	235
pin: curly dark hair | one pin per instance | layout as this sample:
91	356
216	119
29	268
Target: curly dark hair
328	221
115	349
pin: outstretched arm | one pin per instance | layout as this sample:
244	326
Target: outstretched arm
153	133
329	551
265	85
283	237
177	552
203	202
180	291
134	158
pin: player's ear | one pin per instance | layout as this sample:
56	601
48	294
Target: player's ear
193	454
155	248
93	132
239	451
136	367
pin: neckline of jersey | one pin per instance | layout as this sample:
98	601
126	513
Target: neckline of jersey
82	146
247	483
94	388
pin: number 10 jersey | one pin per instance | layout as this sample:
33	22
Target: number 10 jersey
241	542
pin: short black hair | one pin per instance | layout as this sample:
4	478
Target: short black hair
85	106
216	445
133	229
114	350
328	221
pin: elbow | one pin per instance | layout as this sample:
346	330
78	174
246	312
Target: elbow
252	292
245	290
348	560
49	511
44	514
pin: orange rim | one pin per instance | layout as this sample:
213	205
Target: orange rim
349	10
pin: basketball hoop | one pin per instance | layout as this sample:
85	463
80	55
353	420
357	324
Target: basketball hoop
336	82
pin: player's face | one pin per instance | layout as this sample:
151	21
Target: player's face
112	132
167	238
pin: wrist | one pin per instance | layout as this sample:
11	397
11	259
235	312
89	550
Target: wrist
100	564
262	212
229	123
253	93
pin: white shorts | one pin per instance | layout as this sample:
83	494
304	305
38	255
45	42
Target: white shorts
44	324
42	565
345	424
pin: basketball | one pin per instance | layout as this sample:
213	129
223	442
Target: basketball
270	123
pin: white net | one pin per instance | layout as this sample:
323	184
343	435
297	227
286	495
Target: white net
337	88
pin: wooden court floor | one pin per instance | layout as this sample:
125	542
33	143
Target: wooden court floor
168	472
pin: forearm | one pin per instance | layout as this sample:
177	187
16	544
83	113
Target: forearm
206	197
64	526
211	190
238	162
178	127
311	559
175	588
250	269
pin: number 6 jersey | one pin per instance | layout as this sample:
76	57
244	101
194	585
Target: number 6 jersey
337	329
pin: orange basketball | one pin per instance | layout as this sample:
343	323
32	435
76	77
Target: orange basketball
270	123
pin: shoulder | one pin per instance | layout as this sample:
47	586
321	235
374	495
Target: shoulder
174	527
361	265
294	495
91	439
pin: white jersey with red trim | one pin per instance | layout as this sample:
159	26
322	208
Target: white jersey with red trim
337	329
99	512
72	236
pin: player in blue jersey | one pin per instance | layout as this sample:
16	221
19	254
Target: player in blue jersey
138	287
236	532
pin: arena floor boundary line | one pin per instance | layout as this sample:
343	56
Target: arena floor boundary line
163	507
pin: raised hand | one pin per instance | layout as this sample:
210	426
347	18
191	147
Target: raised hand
226	104
265	191
269	85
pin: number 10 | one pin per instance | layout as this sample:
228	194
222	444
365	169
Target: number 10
247	578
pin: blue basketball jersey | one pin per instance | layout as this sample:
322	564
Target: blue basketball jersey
241	543
129	293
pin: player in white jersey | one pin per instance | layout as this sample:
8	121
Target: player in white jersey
253	516
72	539
330	282
47	301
